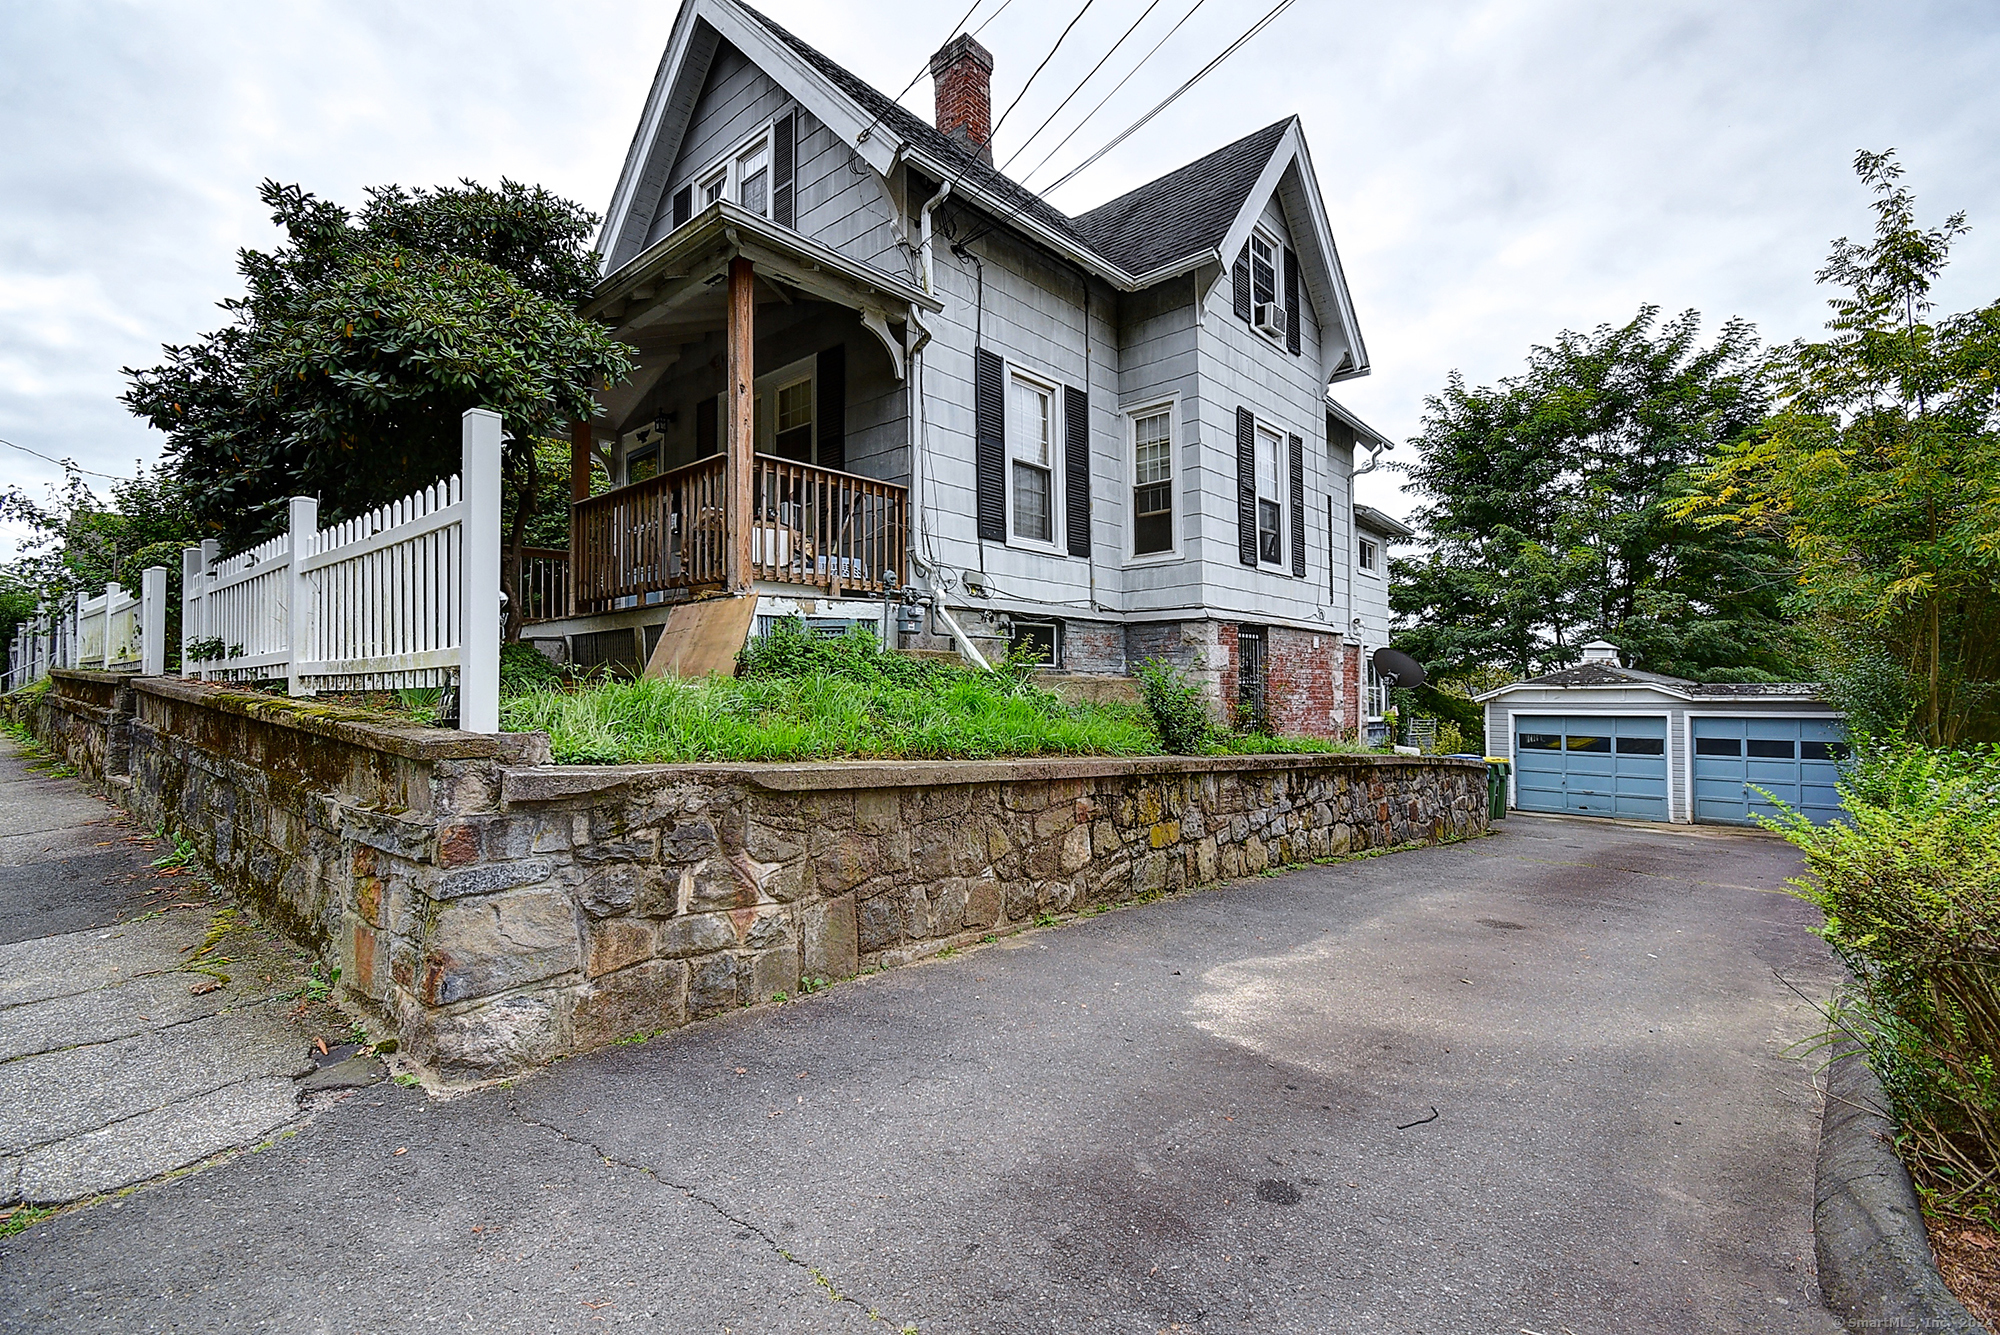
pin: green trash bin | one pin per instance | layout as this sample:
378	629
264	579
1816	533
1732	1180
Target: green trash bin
1496	787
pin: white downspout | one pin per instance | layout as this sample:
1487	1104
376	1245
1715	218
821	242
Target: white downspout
1375	453
924	233
957	632
958	635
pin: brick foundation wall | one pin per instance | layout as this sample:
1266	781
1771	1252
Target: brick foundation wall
1302	694
500	911
1093	646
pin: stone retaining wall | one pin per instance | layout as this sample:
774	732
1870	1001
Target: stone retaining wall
500	911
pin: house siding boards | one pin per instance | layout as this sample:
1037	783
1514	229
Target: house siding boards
1637	699
1056	298
1241	368
835	204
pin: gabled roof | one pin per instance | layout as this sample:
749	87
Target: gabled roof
1196	214
1187	212
905	124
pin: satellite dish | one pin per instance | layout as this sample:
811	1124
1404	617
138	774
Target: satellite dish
1399	669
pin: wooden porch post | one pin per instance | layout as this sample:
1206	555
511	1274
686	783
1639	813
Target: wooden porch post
742	428
580	442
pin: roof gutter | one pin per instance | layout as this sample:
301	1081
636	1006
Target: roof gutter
1039	231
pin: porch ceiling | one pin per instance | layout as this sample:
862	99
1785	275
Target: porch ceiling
675	292
676	282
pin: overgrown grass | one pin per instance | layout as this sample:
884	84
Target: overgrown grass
815	718
798	697
1911	893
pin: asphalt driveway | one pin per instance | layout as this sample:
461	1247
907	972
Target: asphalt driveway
1213	1114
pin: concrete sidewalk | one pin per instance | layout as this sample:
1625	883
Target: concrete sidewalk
144	1025
1539	1082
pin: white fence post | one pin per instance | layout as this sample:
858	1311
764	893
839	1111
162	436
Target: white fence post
113	591
194	582
153	621
305	529
479	607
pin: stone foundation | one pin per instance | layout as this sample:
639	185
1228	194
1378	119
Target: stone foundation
500	911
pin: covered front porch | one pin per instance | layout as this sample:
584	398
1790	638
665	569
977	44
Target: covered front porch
762	444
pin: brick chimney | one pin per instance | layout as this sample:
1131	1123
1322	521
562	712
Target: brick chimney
964	74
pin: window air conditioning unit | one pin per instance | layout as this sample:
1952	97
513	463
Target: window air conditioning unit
1270	318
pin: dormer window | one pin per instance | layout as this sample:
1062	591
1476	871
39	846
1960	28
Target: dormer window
1263	269
753	177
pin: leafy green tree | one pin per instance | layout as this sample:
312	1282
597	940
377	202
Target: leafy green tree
1549	518
77	543
1880	468
360	342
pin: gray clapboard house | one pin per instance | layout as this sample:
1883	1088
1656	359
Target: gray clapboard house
1108	434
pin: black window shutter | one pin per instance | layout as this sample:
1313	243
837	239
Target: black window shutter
1246	486
683	204
1291	302
1298	471
707	425
782	144
989	443
830	387
1239	283
1076	469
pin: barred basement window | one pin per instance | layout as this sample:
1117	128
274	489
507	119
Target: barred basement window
1152	484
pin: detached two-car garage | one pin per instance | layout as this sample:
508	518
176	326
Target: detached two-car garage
1605	740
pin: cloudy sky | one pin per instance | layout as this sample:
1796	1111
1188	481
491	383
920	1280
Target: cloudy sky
1494	172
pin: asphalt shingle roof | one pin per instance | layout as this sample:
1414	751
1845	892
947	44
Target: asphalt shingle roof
1186	212
1183	213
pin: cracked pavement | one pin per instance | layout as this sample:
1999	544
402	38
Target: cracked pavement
1206	1114
144	1026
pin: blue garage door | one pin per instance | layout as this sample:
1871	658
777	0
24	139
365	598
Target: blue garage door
1591	766
1791	759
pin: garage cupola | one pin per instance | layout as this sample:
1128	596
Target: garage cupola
1601	651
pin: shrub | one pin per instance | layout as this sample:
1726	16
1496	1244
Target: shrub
523	667
1177	707
1911	894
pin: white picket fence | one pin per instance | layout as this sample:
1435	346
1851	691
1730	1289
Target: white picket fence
407	595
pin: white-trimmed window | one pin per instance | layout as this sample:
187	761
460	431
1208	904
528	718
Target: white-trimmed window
786	416
1031	460
753	176
1153	481
1270	475
743	176
1368	555
1263	269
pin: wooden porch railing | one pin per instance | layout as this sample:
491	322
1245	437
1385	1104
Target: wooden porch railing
836	531
811	526
543	586
663	533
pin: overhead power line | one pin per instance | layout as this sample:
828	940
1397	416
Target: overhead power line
1039	68
1080	85
63	463
1174	96
1113	93
925	67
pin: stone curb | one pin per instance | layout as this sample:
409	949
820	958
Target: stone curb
1875	1264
